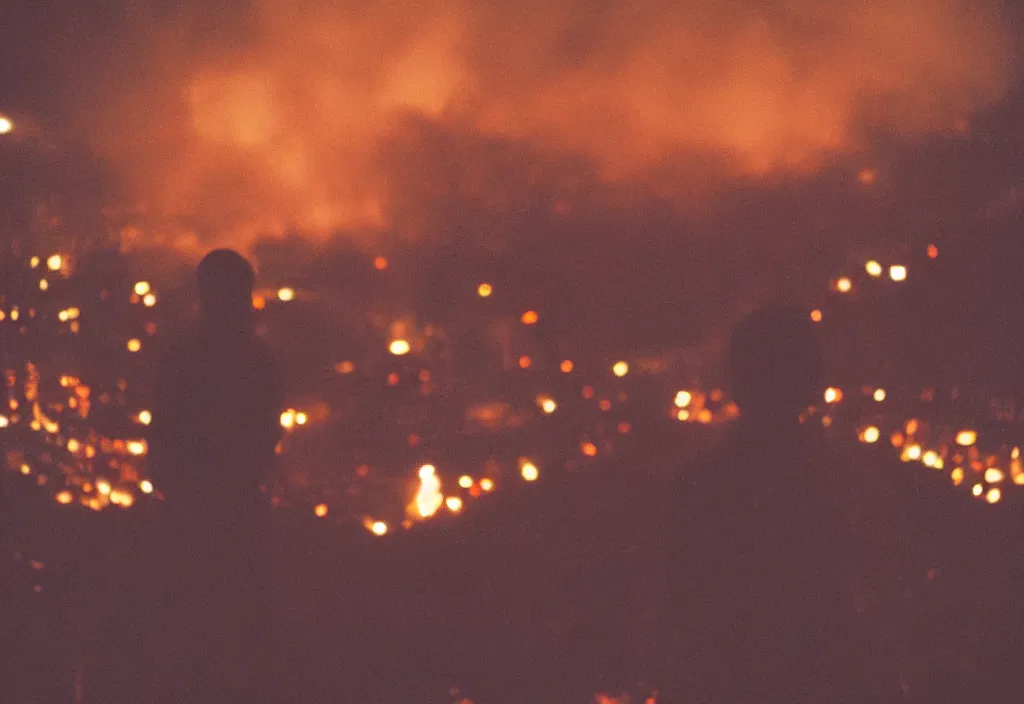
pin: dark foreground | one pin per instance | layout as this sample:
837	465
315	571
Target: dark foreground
545	593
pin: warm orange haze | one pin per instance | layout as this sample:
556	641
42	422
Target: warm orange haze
289	116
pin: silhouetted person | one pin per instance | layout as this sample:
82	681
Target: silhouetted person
216	422
766	557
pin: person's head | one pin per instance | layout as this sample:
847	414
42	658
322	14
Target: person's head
775	362
225	281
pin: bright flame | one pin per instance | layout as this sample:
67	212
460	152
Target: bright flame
484	290
931	459
620	369
137	447
465	481
54	262
994	475
142	288
873	268
454	504
399	347
898	272
966	438
103	486
683	399
301	418
146	486
429	497
378	527
145	417
286	294
993	495
529	471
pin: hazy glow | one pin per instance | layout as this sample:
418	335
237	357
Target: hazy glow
879	395
993	495
873	268
320	510
399	347
484	290
567	366
134	345
843	285
454	504
994	475
833	395
54	262
286	294
870	434
530	317
529	471
966	438
898	272
683	399
620	369
816	315
6	125
142	288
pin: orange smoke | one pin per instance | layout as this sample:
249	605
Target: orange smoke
283	128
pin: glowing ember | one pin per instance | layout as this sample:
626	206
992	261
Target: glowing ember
866	177
345	367
43	284
966	438
589	449
380	263
525	362
288	419
683	415
64	497
977	489
301	418
399	347
145	417
566	366
933	251
548	405
137	447
530	317
378	527
429	497
529	471
149	300
957	475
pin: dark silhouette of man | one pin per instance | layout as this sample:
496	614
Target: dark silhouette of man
216	423
765	554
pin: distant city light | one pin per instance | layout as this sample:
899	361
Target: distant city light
898	272
486	484
465	481
484	290
149	300
994	475
286	294
993	495
620	369
378	527
142	288
134	344
683	399
320	510
933	251
879	395
288	419
399	347
54	262
548	405
873	268
454	504
816	315
843	285
146	486
43	284
530	317
6	125
380	263
566	366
